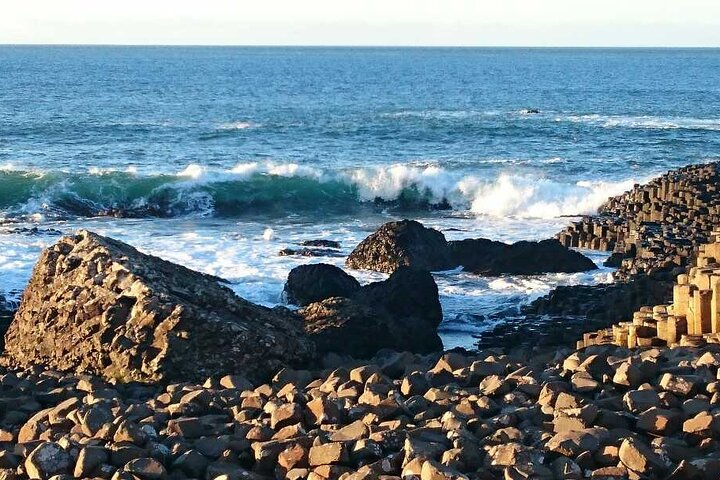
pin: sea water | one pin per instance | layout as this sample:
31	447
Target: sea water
218	158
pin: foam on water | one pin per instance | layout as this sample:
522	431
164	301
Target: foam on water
648	122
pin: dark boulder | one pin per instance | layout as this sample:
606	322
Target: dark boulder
322	243
475	253
7	312
97	305
405	243
401	313
312	283
488	257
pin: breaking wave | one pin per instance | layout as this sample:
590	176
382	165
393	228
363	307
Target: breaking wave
284	189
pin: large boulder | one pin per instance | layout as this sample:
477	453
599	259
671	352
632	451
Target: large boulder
487	257
401	313
97	305
405	243
307	284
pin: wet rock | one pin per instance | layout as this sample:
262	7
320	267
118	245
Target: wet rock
128	316
406	243
308	284
489	257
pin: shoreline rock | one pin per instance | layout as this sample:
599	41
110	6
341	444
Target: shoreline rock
99	306
409	243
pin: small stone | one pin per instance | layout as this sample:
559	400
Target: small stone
48	459
432	470
639	458
89	459
146	468
333	453
677	384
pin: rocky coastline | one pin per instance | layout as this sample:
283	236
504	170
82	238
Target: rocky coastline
120	365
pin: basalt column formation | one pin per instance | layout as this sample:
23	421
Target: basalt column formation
693	318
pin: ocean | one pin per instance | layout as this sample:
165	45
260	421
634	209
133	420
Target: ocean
218	158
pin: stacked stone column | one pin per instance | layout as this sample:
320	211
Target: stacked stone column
693	318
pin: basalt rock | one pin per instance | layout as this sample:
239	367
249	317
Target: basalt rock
409	243
489	257
7	312
405	243
97	305
656	227
307	284
401	313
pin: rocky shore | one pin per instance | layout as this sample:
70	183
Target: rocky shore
120	365
603	412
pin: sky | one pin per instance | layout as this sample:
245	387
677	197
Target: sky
363	22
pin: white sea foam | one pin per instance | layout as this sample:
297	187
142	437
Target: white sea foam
649	122
239	125
540	198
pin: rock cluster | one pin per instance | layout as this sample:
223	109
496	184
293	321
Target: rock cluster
400	313
693	317
604	412
97	305
409	243
654	228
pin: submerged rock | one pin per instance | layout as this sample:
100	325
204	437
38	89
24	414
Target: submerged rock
97	305
312	283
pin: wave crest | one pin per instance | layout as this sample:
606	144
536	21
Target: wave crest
287	188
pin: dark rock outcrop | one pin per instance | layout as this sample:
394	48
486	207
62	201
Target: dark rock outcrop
409	243
405	243
7	312
97	305
313	283
488	257
401	313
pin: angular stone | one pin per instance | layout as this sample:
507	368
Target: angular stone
48	459
639	458
334	453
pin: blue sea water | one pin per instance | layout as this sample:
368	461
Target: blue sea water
219	157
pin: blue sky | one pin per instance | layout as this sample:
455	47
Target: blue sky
364	22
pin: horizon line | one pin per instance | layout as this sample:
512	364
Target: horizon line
312	45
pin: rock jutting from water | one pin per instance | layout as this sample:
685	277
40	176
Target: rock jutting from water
409	243
99	306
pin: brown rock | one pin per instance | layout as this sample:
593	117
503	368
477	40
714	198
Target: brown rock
639	458
128	316
333	453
